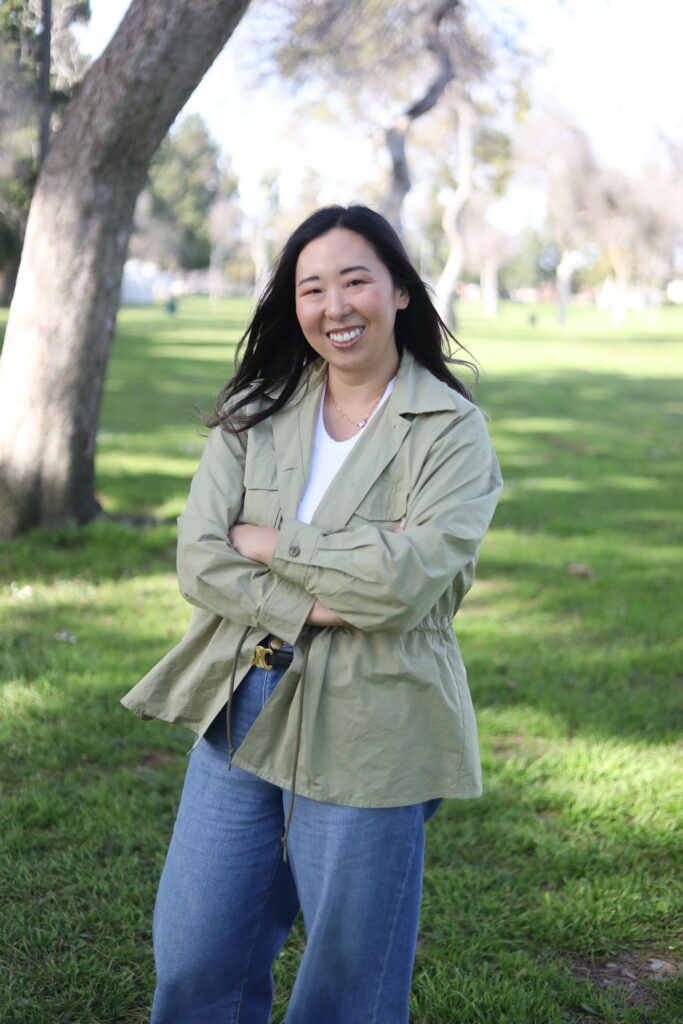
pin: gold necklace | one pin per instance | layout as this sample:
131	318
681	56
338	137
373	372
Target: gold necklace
357	423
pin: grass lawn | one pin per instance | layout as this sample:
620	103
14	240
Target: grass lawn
555	899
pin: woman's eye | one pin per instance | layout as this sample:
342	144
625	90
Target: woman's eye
355	280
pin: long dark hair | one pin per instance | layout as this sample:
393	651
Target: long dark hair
273	351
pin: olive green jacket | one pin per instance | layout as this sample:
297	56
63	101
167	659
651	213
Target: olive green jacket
387	717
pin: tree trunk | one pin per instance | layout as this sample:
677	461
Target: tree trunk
569	261
44	89
399	180
621	265
62	317
396	135
450	275
489	286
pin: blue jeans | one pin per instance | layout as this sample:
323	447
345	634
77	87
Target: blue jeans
227	899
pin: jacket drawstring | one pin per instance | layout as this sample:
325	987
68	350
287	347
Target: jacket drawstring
297	747
231	691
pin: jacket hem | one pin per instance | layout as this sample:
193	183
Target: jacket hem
445	792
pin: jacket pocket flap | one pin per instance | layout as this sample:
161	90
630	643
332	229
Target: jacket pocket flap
386	501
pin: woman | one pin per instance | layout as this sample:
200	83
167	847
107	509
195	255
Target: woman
330	535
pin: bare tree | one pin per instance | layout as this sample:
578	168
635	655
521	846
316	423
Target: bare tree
396	56
487	249
396	134
62	318
637	227
410	59
551	147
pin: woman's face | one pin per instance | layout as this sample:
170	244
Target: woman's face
346	304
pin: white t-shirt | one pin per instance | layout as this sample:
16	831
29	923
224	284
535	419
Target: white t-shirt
328	458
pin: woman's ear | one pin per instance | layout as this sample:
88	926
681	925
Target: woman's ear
402	298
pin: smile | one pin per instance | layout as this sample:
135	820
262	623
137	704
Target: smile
345	337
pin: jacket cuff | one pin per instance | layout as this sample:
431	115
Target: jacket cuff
294	551
285	611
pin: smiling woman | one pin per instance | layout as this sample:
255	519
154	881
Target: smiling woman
331	533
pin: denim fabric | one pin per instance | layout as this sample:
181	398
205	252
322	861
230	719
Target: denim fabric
227	900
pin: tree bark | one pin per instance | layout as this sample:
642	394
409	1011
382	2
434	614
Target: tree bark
45	99
63	314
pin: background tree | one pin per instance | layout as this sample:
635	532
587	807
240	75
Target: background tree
551	149
390	62
172	215
469	160
394	62
63	314
20	69
226	221
636	226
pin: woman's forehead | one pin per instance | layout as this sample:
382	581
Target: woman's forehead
336	251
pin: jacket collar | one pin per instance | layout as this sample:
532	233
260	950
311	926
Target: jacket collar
415	391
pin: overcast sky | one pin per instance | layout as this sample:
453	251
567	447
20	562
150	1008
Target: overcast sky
615	63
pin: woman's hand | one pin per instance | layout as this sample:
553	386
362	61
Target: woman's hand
319	615
254	542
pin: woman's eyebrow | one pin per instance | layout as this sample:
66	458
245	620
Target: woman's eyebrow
346	270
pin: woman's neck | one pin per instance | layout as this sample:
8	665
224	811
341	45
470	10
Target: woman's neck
349	407
360	389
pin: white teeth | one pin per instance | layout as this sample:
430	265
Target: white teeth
346	335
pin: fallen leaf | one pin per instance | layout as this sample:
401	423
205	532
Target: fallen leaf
582	571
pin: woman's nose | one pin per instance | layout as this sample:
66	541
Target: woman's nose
336	305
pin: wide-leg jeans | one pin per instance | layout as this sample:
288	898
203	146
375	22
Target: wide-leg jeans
227	899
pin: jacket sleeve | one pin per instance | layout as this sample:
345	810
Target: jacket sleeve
211	574
380	580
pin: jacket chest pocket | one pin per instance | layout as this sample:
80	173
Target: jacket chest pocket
261	504
384	505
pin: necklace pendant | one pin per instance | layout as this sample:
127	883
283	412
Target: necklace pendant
362	423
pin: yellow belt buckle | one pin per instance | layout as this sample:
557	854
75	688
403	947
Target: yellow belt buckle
260	656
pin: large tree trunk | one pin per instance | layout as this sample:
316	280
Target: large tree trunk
62	317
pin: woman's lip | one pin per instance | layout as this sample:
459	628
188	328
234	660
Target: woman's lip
351	342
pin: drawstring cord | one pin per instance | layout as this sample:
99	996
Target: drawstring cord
299	729
231	691
297	747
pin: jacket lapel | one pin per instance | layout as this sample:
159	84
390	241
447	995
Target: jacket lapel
381	439
293	435
415	391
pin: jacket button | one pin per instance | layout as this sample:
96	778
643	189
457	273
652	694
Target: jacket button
295	551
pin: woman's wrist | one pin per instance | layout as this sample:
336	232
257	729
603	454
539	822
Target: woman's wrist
320	615
257	543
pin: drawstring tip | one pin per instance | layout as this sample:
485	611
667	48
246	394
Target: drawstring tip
284	849
231	754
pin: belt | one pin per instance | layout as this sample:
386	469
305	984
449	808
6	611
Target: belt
272	656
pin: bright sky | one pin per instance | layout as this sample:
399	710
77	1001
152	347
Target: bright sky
615	63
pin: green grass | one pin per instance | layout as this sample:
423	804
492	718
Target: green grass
569	863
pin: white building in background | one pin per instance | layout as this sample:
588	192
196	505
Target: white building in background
144	283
